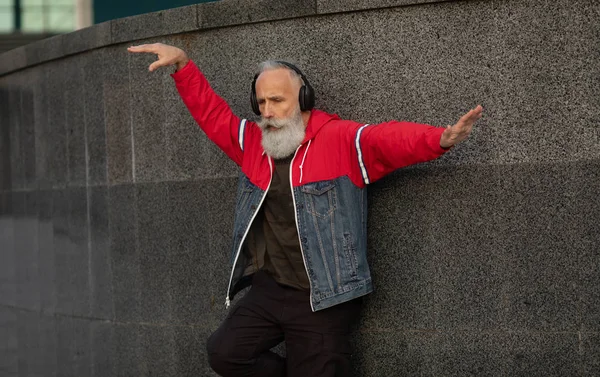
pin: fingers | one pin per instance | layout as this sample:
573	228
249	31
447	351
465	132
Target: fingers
143	48
157	64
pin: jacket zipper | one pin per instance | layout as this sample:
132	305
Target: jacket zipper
227	301
298	228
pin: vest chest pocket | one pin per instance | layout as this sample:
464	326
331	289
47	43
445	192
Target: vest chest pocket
320	198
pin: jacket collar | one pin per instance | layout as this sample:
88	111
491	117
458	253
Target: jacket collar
316	121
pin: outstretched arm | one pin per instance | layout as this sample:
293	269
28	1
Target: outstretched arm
385	147
210	111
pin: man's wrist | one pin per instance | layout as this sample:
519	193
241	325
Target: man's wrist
182	63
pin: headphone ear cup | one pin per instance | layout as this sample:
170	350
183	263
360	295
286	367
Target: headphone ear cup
253	101
302	98
308	96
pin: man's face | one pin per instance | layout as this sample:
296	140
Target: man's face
277	93
281	120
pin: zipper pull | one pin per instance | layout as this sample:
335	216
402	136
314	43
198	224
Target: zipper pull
227	303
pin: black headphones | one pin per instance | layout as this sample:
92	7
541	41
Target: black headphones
306	97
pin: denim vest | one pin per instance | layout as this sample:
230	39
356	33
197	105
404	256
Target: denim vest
331	217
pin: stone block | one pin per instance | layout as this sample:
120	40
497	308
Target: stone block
117	104
190	352
390	352
46	267
95	130
102	344
101	274
27	132
44	50
25	206
511	354
89	38
5	155
354	5
43	138
15	127
127	352
73	352
158	350
9	341
590	347
56	131
13	60
170	21
148	119
78	259
236	12
124	253
75	122
8	275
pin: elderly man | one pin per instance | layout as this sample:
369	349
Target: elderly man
301	215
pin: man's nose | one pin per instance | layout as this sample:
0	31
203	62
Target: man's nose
267	110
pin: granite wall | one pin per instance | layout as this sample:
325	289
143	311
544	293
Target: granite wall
116	211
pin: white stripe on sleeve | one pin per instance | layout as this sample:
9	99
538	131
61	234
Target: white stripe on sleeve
360	156
241	132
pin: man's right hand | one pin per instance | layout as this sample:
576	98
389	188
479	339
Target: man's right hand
167	55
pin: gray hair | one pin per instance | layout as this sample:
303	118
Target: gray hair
269	65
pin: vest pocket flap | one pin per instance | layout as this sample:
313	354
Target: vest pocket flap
318	188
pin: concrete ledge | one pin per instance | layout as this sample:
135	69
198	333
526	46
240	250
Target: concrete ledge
180	20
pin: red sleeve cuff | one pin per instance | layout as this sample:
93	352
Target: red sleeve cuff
184	72
434	141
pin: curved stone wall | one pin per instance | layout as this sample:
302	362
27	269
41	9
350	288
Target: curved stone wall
115	211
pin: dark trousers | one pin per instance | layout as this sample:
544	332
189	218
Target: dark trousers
317	344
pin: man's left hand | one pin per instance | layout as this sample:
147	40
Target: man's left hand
460	131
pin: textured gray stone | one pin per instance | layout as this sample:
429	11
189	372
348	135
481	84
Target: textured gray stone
75	122
15	129
190	352
43	146
154	24
327	6
73	350
117	104
402	263
27	133
89	38
78	259
62	249
9	342
5	156
101	274
48	336
47	266
13	60
148	118
221	196
190	253
511	354
56	134
28	332
124	253
102	344
95	131
8	276
152	208
384	353
590	345
25	207
158	350
236	12
71	252
127	352
44	50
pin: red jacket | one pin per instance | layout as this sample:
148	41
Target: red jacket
332	147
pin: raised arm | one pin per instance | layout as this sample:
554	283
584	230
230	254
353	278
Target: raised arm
385	147
210	111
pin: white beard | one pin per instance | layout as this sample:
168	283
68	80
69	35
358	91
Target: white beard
283	142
